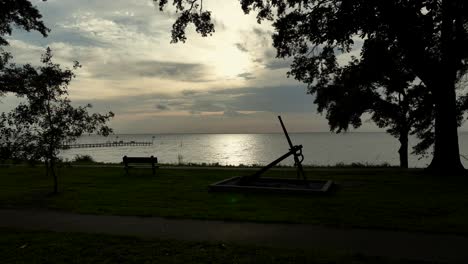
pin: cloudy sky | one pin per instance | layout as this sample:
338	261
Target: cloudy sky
228	83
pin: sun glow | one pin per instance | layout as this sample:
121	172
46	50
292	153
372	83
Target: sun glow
230	62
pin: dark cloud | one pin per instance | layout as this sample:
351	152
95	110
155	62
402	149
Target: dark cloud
179	103
261	99
232	113
241	47
246	76
162	107
139	24
258	60
62	35
121	105
262	32
192	72
264	36
276	64
206	105
276	99
189	92
268	99
270	53
271	62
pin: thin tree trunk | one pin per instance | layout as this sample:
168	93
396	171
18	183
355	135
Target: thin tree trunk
403	151
46	168
52	170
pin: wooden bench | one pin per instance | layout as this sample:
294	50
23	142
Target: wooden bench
141	160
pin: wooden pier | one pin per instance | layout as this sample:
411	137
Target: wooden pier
108	144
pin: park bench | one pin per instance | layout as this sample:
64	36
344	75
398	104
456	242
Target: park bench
140	160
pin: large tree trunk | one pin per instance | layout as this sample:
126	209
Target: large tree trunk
446	152
403	151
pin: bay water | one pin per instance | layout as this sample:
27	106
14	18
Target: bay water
324	149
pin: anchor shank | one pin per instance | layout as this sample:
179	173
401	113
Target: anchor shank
297	162
286	133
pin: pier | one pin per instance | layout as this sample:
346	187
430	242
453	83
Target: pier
108	144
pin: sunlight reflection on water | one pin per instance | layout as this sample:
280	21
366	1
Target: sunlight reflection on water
248	149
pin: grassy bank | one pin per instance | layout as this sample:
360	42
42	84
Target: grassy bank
371	198
49	247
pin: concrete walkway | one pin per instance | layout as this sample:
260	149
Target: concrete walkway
417	246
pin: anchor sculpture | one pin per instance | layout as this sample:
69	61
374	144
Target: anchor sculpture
256	183
296	151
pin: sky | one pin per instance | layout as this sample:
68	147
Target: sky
230	82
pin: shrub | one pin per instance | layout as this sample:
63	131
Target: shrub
84	159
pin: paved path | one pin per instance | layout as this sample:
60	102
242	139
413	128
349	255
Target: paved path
418	246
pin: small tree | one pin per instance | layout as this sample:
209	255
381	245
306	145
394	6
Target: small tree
38	128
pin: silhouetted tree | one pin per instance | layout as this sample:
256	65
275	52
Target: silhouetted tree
189	12
38	128
380	87
431	35
22	14
383	87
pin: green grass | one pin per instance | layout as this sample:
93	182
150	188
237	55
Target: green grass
369	198
49	247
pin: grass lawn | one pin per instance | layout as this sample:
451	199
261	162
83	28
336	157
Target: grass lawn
49	247
370	198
